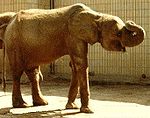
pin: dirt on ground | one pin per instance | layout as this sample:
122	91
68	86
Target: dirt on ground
124	93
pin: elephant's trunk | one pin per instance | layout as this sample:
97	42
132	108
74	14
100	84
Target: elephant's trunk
133	34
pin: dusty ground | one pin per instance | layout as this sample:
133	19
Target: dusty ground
107	101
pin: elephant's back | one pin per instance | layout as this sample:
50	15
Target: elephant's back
37	26
59	12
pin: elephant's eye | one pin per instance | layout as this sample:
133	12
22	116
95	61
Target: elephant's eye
119	34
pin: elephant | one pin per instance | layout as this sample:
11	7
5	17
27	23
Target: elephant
5	18
37	36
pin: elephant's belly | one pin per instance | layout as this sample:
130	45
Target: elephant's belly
41	57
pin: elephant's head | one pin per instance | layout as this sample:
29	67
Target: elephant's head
110	31
115	35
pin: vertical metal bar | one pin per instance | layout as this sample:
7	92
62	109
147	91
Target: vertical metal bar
52	65
52	4
4	70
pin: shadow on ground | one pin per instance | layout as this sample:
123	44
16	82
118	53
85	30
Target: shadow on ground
6	112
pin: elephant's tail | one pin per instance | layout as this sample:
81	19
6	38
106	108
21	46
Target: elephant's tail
41	76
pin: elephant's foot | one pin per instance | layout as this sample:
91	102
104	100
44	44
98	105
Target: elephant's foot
71	106
20	104
85	110
39	101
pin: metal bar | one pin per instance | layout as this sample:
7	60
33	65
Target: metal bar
52	65
52	4
4	70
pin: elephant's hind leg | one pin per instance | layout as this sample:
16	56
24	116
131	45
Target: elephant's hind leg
17	99
34	77
17	70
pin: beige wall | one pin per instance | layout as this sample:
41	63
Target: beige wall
16	5
129	65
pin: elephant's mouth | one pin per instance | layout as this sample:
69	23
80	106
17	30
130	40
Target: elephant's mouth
123	49
117	46
113	45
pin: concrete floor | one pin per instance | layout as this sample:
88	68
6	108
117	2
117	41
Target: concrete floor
107	101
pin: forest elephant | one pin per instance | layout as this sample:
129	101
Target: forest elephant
4	21
5	18
36	37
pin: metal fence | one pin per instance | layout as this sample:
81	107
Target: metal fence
129	66
16	5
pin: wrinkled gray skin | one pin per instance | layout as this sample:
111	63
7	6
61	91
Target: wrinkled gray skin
35	37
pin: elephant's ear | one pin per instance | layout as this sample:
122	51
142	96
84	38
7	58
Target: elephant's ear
84	27
2	30
3	26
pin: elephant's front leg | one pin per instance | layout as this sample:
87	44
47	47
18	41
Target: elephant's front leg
34	76
73	91
81	78
82	75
